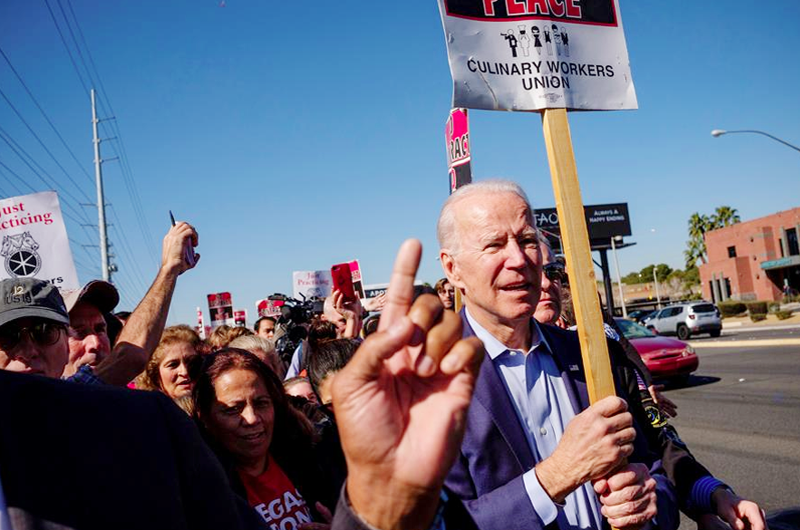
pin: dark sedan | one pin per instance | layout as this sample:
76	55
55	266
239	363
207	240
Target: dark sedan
665	357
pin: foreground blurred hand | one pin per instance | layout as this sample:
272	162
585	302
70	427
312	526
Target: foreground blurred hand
401	404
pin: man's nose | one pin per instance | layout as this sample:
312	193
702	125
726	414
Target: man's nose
26	350
515	256
92	342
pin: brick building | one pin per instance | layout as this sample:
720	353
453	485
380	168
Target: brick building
753	260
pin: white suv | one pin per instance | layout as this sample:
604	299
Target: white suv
685	320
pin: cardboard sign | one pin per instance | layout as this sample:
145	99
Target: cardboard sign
240	317
537	54
201	326
358	281
220	306
307	284
35	242
456	134
269	308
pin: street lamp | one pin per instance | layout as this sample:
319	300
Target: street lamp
619	279
716	133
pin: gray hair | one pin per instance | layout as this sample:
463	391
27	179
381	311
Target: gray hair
446	226
253	344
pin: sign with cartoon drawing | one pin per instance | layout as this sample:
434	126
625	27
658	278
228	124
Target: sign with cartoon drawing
34	242
537	54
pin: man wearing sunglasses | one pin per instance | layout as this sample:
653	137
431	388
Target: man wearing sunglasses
33	328
34	322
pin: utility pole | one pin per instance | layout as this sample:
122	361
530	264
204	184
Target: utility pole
619	278
101	201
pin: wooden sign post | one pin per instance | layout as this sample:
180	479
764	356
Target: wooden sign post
548	57
575	237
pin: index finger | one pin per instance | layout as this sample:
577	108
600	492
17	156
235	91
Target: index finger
401	285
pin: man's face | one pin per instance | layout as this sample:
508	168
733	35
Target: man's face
549	307
447	295
499	264
266	329
88	339
41	349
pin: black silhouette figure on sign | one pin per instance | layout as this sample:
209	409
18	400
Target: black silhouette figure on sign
537	42
565	41
548	41
512	41
524	41
557	38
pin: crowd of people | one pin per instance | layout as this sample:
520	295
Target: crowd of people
405	414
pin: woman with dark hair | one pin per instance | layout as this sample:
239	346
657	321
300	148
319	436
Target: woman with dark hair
265	445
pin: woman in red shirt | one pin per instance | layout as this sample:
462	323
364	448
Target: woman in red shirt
262	441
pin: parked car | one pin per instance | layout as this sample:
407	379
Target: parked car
666	358
640	314
685	320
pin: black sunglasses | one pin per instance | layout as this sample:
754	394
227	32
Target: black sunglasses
43	334
555	272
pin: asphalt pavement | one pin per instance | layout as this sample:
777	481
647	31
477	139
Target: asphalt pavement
740	413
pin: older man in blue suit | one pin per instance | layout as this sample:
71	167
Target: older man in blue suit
535	454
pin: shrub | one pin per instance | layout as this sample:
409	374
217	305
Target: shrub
756	307
774	307
783	315
758	317
731	309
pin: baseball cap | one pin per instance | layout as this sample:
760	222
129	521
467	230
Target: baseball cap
98	293
29	297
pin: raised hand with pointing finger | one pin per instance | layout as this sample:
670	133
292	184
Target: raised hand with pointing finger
401	402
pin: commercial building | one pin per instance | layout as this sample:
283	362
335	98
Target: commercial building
753	260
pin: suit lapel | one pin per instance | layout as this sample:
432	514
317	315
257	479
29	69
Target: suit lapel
570	364
490	392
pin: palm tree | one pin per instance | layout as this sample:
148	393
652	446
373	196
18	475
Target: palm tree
696	246
725	216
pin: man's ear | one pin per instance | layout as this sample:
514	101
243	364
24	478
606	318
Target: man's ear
451	269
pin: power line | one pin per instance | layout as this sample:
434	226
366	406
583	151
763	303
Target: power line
19	151
46	117
43	146
66	47
127	174
69	216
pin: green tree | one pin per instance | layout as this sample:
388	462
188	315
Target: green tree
699	225
662	272
724	216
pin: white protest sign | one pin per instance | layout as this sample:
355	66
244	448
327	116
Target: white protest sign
35	242
537	54
311	283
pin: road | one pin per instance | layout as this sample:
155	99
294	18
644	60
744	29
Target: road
740	413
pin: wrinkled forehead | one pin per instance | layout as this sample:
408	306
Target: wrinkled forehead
494	211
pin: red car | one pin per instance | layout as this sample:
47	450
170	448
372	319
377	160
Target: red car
666	358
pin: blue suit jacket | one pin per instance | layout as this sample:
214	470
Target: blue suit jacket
487	476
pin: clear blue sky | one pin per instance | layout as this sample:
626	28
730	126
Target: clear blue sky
296	135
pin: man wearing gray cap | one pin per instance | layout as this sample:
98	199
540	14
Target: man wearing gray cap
34	321
33	327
